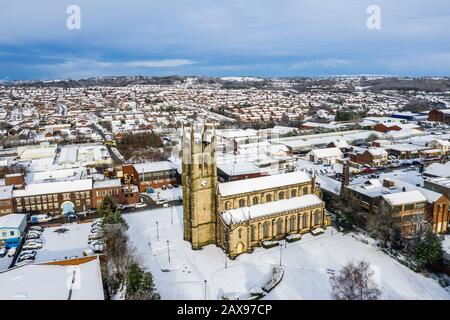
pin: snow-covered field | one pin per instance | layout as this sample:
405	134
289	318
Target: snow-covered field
59	246
307	264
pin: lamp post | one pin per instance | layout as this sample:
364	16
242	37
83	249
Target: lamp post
157	231
205	288
171	215
168	250
281	252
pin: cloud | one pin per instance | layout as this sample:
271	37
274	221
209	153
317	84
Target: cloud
327	63
255	37
166	63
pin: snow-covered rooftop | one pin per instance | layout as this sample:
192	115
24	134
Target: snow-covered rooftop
154	166
13	220
232	169
262	183
400	198
245	213
107	183
51	282
53	187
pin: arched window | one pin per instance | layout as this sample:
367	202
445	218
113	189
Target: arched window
293	193
252	233
241	203
281	195
227	205
305	190
268	198
279	226
255	200
266	229
240	233
292	223
316	217
304	220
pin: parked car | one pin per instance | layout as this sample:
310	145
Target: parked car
368	170
28	252
12	252
35	241
26	257
38	233
32	237
91	211
32	246
88	252
95	236
96	230
175	185
39	218
71	216
3	252
169	186
141	205
98	247
164	187
96	224
37	228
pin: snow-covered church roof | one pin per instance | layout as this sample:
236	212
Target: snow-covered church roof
239	215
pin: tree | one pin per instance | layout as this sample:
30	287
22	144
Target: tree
354	282
140	284
381	225
345	211
426	249
107	207
372	137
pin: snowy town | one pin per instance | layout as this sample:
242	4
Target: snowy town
231	188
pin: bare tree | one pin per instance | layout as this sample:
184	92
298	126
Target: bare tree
381	225
354	282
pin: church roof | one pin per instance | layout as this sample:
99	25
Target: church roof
239	215
262	183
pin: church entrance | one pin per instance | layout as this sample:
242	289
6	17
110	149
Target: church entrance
240	248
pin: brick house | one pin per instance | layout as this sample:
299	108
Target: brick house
370	156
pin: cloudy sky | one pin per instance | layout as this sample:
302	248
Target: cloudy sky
223	38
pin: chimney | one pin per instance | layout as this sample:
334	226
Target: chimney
345	177
388	183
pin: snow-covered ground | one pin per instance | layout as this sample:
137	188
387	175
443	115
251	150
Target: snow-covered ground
5	262
60	246
446	244
307	264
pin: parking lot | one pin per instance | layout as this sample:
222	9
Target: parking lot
53	243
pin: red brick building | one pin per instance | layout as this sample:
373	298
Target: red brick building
150	174
371	156
439	115
381	127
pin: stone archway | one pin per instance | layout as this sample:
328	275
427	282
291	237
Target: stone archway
239	248
67	207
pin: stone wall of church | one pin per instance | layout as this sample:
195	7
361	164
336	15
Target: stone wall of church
244	237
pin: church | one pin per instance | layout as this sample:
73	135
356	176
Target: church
239	215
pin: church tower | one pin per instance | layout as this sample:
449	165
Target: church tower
199	180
